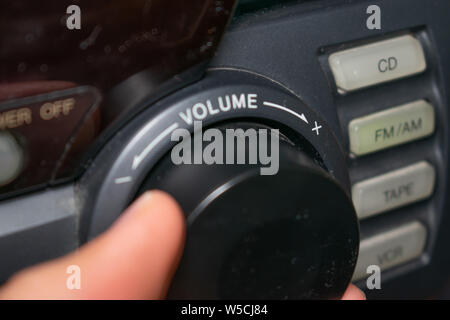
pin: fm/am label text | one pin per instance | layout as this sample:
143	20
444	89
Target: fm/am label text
400	130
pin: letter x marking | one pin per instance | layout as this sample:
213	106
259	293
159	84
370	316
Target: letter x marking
317	128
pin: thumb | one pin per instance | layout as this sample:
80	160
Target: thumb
135	259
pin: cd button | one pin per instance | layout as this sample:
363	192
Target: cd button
377	63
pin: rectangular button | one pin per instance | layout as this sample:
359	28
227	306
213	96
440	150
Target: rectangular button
391	127
394	189
377	62
391	248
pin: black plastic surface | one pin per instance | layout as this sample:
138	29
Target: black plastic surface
119	158
148	44
37	228
289	46
253	236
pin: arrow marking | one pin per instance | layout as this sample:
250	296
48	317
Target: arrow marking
300	116
140	157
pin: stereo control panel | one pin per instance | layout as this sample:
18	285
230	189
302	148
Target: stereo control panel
363	103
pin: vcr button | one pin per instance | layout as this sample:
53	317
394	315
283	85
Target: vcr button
391	248
391	127
393	189
377	63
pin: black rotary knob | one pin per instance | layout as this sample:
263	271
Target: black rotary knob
292	235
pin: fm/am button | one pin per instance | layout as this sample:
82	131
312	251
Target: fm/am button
391	248
391	127
393	189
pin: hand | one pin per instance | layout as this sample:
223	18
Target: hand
135	259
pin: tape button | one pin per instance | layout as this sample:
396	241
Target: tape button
393	189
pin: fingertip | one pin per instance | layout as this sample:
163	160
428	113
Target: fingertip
135	259
167	204
155	202
150	234
162	212
353	293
